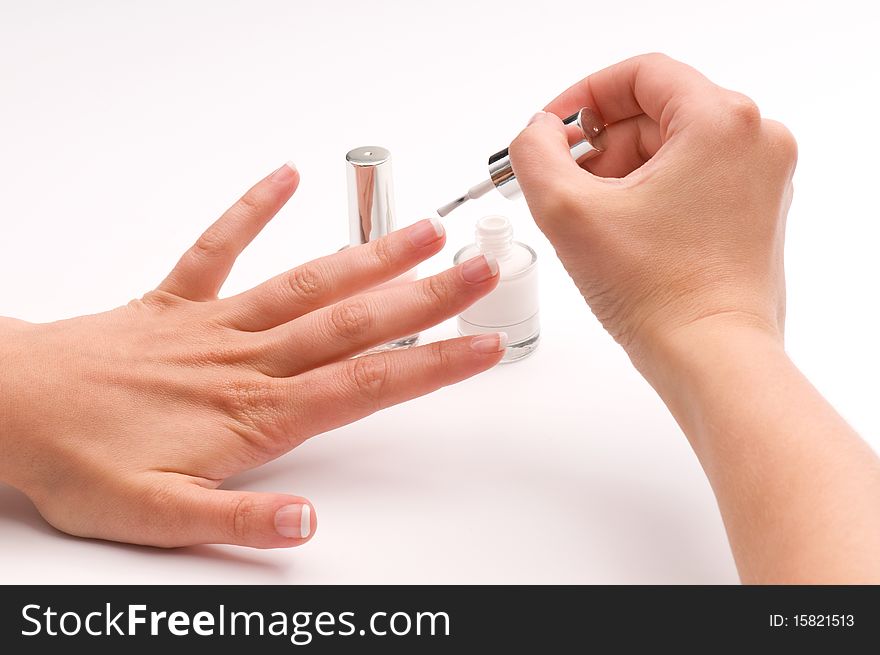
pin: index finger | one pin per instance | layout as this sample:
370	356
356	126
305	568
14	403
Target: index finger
653	84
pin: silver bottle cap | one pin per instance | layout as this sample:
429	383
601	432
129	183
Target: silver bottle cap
370	194
585	132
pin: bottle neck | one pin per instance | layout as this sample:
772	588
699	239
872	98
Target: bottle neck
495	236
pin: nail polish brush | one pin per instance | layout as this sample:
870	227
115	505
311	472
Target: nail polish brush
585	132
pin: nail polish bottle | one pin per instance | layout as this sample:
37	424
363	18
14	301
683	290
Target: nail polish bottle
371	211
512	307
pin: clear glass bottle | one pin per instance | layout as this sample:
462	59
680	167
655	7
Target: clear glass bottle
512	307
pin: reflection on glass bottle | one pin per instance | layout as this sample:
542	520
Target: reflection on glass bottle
512	307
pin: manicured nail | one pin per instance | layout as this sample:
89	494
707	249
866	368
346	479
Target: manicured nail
479	268
540	114
425	232
486	344
285	173
294	521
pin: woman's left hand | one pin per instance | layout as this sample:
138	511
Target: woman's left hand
123	425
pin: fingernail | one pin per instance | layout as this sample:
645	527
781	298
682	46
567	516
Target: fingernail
540	114
479	268
294	521
486	344
285	173
425	232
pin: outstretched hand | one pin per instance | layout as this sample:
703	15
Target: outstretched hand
123	425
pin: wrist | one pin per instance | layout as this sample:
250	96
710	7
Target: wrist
689	365
12	358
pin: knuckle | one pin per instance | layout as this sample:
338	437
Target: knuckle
436	291
442	354
383	253
370	375
239	518
159	300
250	204
350	318
740	112
652	58
305	282
211	243
781	141
156	504
251	402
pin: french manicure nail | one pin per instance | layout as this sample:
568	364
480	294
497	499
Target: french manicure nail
284	173
538	115
486	344
425	232
479	268
294	521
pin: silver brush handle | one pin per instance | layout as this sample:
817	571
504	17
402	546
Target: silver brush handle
585	137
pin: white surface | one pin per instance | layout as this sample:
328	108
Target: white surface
127	127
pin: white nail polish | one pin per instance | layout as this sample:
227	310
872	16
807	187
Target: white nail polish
305	522
290	165
491	262
294	521
512	307
438	226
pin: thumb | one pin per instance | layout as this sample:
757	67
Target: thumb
242	518
546	171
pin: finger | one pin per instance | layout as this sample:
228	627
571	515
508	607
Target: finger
628	144
362	322
338	394
205	266
197	515
330	279
653	84
546	171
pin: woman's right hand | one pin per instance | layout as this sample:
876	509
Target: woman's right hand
675	236
681	219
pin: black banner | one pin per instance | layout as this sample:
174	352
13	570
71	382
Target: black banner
277	619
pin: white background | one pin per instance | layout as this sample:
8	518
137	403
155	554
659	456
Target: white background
127	127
